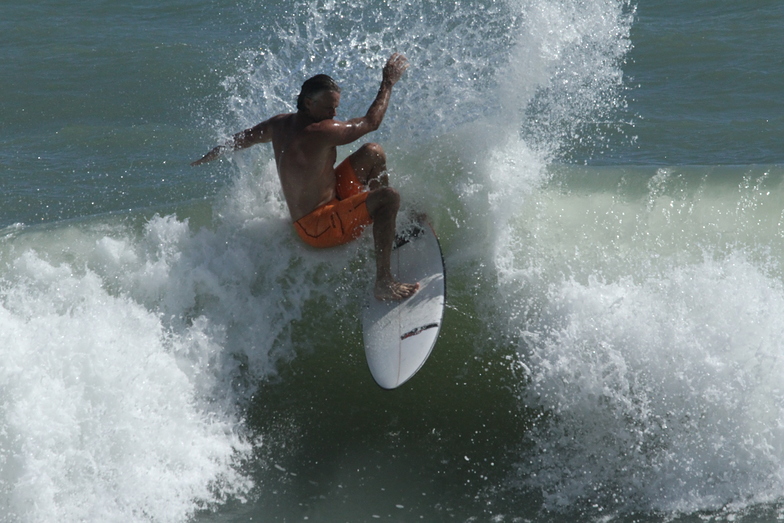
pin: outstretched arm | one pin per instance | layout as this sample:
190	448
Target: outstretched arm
260	133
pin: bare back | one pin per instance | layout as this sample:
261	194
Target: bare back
305	163
305	145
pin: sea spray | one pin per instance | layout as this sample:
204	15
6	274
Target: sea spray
132	346
663	394
99	421
646	317
564	80
646	321
561	83
454	49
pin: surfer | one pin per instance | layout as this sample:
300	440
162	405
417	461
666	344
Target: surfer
331	206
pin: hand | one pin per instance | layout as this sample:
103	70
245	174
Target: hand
214	153
395	67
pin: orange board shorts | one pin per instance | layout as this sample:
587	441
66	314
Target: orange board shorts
340	220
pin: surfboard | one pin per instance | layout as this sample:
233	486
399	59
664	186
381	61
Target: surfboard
400	335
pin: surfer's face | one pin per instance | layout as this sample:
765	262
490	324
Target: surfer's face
324	105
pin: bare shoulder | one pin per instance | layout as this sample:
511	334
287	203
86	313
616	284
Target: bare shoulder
279	121
337	132
281	118
265	131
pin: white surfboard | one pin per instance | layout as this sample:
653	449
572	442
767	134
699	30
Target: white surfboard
399	335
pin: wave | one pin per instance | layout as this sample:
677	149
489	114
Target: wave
645	312
640	302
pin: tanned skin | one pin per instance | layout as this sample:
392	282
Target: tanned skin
305	146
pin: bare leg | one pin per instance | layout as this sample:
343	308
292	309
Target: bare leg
383	202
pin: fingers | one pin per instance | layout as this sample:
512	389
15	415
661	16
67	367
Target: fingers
398	61
395	67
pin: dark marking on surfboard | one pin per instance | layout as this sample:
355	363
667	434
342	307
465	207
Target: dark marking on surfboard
416	331
413	231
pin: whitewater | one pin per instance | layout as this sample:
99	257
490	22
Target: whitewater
605	178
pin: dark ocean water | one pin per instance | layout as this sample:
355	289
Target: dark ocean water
606	180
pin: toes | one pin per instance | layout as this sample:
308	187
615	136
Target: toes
396	291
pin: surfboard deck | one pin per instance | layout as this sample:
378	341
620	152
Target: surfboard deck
399	336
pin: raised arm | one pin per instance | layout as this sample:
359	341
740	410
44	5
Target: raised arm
393	71
351	130
260	133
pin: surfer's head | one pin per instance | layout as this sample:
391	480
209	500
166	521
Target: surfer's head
314	86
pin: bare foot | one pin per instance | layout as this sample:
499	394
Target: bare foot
394	290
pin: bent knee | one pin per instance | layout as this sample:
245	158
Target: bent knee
383	200
389	194
374	150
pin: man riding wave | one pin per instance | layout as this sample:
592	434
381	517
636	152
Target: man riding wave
331	205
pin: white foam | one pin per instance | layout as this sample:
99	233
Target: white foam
123	350
648	325
647	320
126	351
99	421
664	393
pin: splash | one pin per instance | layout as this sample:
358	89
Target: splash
155	330
98	401
651	343
122	343
544	68
663	394
496	91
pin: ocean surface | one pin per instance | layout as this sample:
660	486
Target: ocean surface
606	180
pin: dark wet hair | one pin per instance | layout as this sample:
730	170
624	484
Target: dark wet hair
314	86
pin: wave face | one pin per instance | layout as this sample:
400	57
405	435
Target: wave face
611	350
